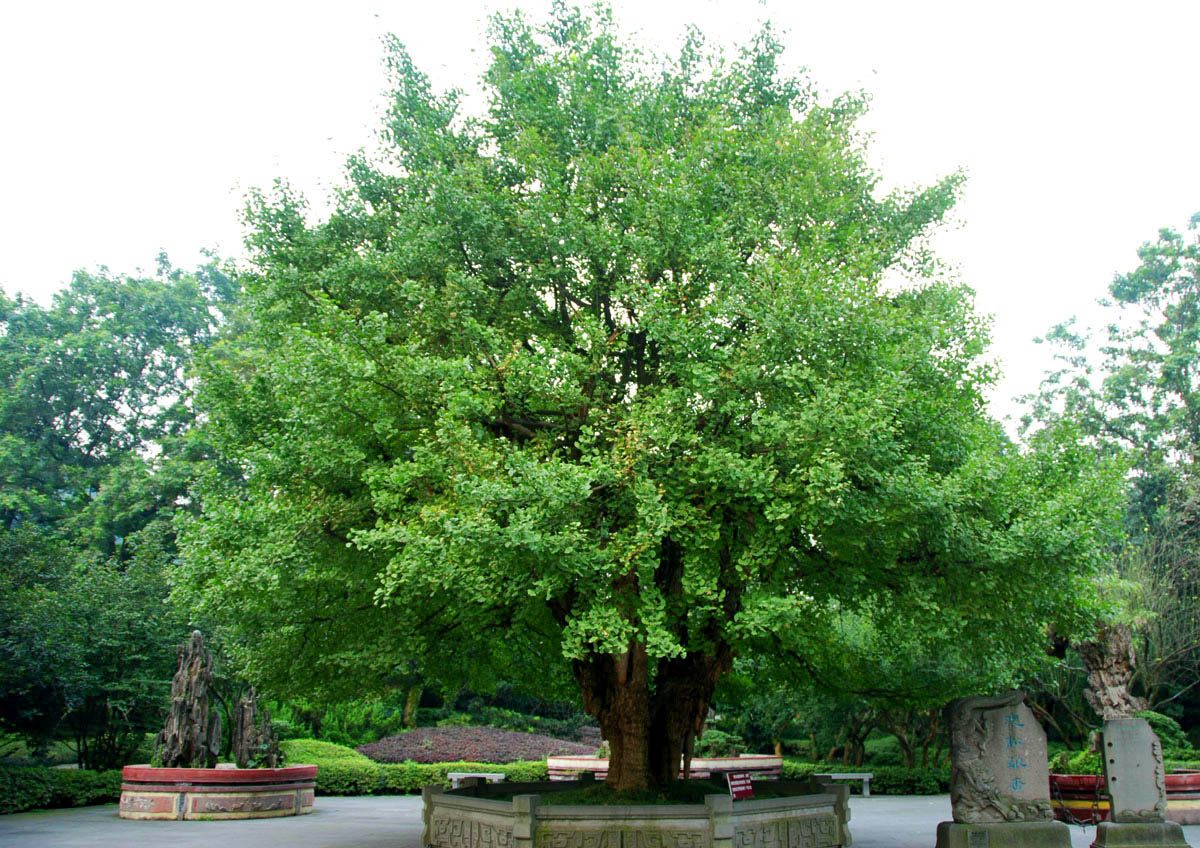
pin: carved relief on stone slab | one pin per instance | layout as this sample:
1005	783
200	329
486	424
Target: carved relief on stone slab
998	766
616	838
804	832
242	804
462	833
1134	771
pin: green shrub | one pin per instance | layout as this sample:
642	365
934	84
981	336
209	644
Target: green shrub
300	751
285	729
1169	733
1085	762
456	720
34	788
887	780
717	743
400	778
346	777
799	747
526	771
344	771
340	770
884	751
1060	763
144	752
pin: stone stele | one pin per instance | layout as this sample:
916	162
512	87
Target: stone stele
1136	782
1133	771
999	777
998	766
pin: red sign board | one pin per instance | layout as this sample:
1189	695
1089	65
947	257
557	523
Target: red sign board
739	785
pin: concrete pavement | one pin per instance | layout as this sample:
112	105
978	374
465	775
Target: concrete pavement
881	821
390	821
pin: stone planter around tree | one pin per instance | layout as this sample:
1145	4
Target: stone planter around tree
482	815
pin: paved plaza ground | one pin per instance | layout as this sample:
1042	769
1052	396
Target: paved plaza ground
395	822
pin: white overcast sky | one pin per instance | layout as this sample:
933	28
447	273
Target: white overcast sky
127	128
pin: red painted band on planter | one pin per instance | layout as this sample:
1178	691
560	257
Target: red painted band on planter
213	787
150	774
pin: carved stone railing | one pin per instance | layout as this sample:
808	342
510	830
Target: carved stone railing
474	817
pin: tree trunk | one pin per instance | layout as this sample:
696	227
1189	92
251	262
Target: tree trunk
411	702
650	709
1110	664
649	719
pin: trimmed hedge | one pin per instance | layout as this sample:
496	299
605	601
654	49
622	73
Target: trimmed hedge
887	780
40	788
344	771
305	751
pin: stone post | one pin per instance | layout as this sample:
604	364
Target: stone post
720	820
525	824
842	807
427	792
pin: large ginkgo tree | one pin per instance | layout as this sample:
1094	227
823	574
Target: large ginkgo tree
638	370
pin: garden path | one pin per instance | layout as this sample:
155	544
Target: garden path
881	821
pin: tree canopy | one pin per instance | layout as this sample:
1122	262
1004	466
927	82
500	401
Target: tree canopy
94	403
610	379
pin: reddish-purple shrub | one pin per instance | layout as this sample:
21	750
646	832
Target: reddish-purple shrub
471	744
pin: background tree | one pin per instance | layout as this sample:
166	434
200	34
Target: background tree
1137	392
94	460
1139	389
611	371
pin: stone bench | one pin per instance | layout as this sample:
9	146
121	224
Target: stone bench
864	776
456	777
760	766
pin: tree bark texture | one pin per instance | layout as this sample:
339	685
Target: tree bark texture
650	709
191	736
650	724
1110	665
411	703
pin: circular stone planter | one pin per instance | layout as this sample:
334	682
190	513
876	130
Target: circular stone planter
216	793
1081	797
476	817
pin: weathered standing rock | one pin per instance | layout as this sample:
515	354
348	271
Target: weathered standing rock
191	735
254	746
